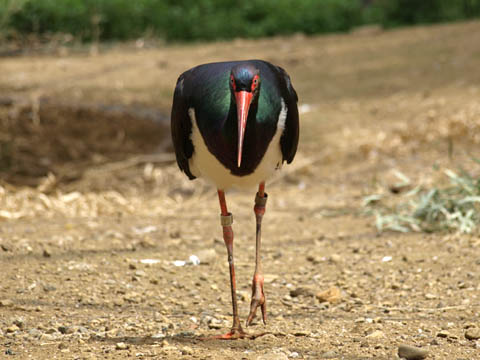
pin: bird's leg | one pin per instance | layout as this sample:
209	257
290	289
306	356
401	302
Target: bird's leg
258	297
236	332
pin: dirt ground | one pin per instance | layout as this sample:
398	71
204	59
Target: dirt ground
93	211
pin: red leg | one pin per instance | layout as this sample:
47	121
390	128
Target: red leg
236	332
258	296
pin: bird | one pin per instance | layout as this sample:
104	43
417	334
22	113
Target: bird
235	123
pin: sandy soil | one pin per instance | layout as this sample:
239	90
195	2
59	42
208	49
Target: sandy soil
93	212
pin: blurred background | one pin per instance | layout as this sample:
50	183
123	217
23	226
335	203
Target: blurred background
86	86
189	20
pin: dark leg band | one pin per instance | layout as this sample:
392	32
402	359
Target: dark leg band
261	201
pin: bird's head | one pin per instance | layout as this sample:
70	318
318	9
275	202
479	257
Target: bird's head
245	87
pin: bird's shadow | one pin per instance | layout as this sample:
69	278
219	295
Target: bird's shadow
180	338
185	338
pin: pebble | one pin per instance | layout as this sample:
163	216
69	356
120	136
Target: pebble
207	256
472	334
12	329
49	287
35	333
329	355
6	302
411	352
215	323
273	356
376	334
301	291
121	346
20	322
140	273
269	337
443	334
332	295
47	337
66	329
187	350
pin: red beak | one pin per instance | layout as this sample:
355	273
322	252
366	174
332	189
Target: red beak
243	99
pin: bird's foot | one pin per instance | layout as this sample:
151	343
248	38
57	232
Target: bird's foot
234	334
258	299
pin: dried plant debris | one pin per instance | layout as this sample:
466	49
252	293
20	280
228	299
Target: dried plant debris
455	207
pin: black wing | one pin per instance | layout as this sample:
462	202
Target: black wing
289	139
181	126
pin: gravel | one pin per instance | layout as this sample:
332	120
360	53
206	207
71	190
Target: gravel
409	352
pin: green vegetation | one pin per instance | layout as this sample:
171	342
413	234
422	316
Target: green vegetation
187	20
455	208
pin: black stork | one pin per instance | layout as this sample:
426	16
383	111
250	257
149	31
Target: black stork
235	123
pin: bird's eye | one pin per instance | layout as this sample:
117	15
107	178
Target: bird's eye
255	82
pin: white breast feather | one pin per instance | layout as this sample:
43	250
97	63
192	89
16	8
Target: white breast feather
204	164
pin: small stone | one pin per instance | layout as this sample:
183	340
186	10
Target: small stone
411	352
81	329
430	296
376	334
47	337
119	302
65	329
335	258
121	346
301	333
6	302
132	266
332	295
48	287
215	323
187	350
301	291
20	322
329	355
472	334
207	256
12	329
62	346
443	334
140	273
269	337
273	356
35	333
46	253
395	286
